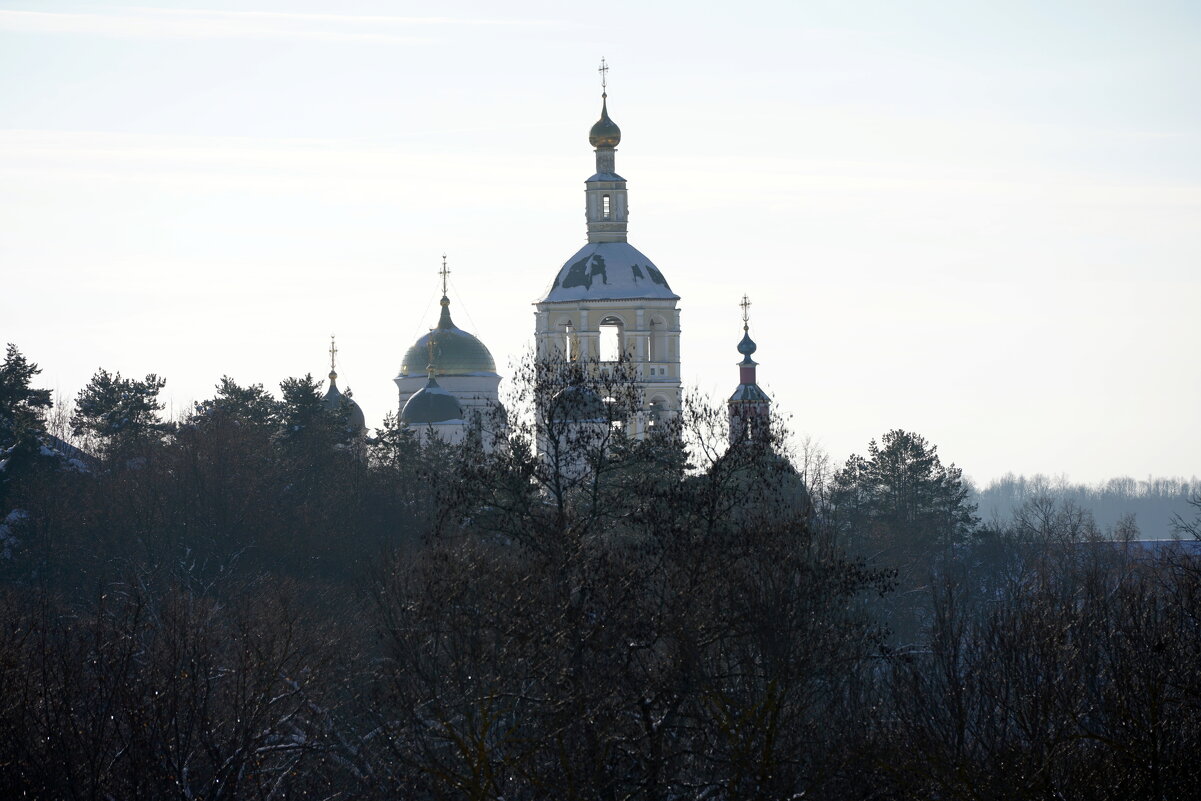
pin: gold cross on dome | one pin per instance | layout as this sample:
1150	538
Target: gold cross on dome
746	315
604	73
333	352
444	272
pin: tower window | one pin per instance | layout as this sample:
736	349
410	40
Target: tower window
611	345
658	340
571	344
605	207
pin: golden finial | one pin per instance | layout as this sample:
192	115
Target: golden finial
604	73
444	272
429	346
746	315
333	355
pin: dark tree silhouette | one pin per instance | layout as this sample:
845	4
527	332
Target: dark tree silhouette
22	421
119	417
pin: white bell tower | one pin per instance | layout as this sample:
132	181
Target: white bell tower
609	302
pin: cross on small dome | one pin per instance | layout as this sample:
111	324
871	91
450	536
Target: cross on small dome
605	133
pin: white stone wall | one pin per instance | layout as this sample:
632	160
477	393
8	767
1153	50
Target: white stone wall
650	337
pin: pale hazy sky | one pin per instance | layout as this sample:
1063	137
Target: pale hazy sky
977	221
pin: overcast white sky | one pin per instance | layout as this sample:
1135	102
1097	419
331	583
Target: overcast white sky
977	221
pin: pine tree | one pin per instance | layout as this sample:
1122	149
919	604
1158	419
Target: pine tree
901	499
22	419
306	423
250	406
120	416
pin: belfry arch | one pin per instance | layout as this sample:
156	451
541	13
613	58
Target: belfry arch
611	339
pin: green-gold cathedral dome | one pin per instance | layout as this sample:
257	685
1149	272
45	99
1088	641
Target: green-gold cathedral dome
453	351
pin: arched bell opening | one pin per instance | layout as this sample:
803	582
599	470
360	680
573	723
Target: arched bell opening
657	349
656	412
566	340
611	342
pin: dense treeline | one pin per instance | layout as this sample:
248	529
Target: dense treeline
254	602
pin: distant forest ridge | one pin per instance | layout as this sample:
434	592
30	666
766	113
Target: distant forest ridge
1154	502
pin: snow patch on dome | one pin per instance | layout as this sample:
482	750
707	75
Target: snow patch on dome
608	271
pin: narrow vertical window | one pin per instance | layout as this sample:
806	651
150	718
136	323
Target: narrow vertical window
571	345
605	207
610	341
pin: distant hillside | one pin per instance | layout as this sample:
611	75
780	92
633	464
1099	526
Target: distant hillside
1153	502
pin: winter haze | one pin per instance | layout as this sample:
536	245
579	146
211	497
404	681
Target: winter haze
977	221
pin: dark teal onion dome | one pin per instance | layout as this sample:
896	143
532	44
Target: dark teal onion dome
605	132
431	404
333	397
577	403
454	352
746	347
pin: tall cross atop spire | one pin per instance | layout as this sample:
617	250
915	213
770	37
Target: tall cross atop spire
746	314
604	73
444	272
333	356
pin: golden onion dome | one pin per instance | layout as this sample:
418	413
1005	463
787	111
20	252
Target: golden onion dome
605	132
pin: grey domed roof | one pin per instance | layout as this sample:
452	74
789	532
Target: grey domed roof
455	352
333	397
431	404
608	271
